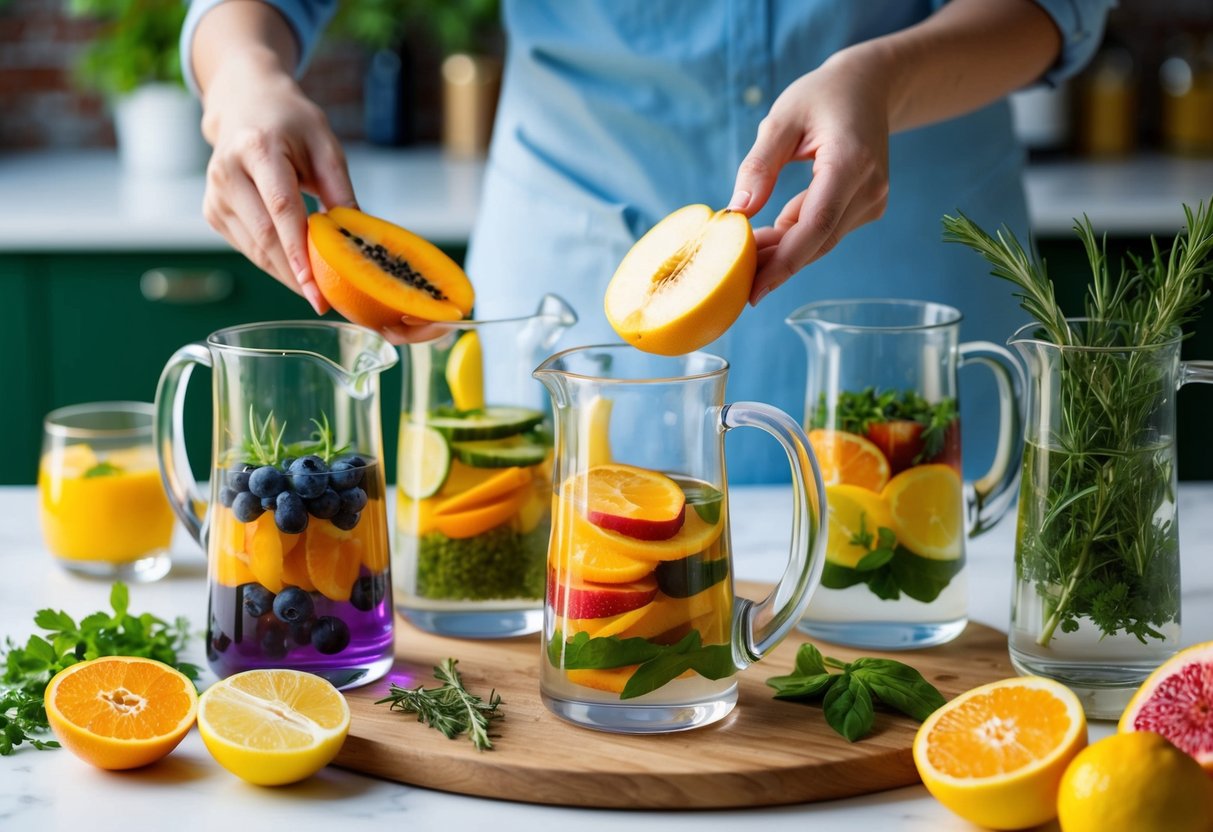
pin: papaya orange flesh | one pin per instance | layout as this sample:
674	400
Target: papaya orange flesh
374	272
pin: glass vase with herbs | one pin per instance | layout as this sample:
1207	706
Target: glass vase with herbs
1096	603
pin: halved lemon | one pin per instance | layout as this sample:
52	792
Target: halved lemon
272	727
849	459
996	754
465	372
851	510
120	712
927	506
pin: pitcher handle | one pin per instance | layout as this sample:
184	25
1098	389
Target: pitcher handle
988	498
758	627
1195	372
175	471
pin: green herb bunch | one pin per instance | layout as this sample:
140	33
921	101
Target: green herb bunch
856	411
890	570
1097	534
658	664
29	667
263	444
449	708
848	696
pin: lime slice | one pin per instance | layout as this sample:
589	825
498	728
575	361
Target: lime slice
501	453
425	461
489	423
465	372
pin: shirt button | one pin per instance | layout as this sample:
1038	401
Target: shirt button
752	96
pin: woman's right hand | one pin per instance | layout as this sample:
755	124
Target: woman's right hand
269	142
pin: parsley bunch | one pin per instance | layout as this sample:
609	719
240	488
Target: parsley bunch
29	668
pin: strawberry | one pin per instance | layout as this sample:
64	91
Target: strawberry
900	440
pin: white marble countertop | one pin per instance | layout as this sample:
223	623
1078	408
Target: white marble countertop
52	791
80	201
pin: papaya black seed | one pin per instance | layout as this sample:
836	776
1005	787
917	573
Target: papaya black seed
397	267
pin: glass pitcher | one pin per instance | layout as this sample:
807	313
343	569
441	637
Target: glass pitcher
1096	603
474	476
296	527
882	412
642	632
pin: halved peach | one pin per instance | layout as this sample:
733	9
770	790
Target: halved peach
684	282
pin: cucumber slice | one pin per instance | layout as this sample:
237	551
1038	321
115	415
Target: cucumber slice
425	461
499	453
490	423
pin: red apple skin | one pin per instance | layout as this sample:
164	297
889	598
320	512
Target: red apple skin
637	528
585	599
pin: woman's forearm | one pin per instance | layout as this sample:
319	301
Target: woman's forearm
242	35
966	55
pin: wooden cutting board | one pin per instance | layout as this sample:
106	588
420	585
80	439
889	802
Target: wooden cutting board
766	752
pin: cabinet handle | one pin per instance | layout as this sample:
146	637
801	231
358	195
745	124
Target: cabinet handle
185	287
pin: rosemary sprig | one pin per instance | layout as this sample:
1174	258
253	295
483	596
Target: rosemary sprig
1097	536
264	445
449	708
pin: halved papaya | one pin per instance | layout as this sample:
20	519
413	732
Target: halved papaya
374	272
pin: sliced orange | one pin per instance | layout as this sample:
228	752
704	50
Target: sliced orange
480	519
264	547
294	563
853	511
414	517
120	712
231	562
633	501
491	490
332	562
461	477
371	533
583	560
996	754
848	459
927	506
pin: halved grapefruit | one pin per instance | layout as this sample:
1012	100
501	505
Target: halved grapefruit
1177	702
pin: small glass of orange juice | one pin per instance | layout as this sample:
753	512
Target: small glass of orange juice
103	509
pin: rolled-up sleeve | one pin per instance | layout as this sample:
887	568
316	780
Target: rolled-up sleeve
306	18
1081	23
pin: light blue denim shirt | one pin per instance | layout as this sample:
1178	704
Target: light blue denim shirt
615	112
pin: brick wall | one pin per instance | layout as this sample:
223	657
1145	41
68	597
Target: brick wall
40	107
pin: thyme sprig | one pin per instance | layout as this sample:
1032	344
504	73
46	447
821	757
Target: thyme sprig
449	708
264	445
1097	540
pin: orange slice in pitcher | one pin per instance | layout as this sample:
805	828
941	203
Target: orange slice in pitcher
848	459
926	503
636	502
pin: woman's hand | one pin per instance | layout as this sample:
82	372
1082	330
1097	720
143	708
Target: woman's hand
269	143
837	116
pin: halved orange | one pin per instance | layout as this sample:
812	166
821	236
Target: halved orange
120	712
927	506
849	459
996	754
632	501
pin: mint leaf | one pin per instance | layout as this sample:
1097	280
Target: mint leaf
712	662
898	686
874	560
884	584
923	579
102	469
848	707
584	653
834	576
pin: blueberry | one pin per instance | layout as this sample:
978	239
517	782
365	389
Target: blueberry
257	599
346	473
238	476
290	515
273	644
309	476
294	605
220	641
269	503
345	520
246	507
301	631
286	463
326	505
330	635
266	481
367	593
227	496
353	500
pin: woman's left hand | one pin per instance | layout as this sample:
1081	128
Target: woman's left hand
837	116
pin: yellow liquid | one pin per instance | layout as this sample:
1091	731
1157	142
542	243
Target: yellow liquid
112	518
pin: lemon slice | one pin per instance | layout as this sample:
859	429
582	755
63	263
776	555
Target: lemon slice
425	461
465	372
927	504
273	727
851	510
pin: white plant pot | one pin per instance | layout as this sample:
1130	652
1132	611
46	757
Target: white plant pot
159	132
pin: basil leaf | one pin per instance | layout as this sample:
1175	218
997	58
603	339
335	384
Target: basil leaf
883	584
848	707
809	661
874	559
802	687
712	662
584	653
706	501
834	576
923	579
899	686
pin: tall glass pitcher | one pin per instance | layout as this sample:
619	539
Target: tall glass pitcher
474	476
296	527
642	632
882	410
1096	601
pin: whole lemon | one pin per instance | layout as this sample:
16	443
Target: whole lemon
1138	782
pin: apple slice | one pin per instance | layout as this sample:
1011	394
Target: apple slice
684	282
636	502
584	599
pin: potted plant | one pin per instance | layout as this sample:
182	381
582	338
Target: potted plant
134	62
467	32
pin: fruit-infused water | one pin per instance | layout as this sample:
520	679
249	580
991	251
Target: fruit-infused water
299	577
895	546
638	583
